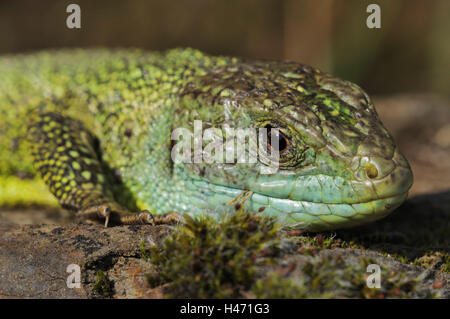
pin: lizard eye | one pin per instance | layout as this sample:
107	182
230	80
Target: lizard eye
283	141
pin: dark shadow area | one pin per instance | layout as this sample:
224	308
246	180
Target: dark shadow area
121	193
420	225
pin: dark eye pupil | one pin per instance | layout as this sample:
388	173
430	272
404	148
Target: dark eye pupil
282	140
282	143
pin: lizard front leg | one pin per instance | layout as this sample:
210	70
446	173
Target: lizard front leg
67	160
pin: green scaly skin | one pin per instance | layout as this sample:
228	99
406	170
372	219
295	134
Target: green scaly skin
97	124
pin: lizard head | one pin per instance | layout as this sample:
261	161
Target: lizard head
337	166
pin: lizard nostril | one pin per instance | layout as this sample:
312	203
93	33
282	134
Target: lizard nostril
371	170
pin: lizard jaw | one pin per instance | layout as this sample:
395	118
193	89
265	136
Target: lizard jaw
308	215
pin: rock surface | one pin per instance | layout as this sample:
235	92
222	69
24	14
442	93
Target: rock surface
34	259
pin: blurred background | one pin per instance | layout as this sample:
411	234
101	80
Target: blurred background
410	53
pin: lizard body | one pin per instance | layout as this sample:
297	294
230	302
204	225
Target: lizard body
96	127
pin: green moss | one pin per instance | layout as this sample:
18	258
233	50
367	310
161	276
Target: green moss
385	244
333	277
446	265
324	241
103	286
143	250
276	286
207	259
311	243
434	260
233	258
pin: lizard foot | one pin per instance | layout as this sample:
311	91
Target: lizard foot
122	217
142	218
147	218
170	218
96	212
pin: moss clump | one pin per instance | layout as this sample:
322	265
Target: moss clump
210	259
324	241
446	264
434	260
332	277
144	254
103	286
235	257
276	286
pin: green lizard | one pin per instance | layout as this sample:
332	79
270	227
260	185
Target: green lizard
96	127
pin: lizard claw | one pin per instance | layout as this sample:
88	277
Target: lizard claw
104	212
106	221
99	211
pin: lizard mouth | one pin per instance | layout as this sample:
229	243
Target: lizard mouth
314	216
308	215
320	202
